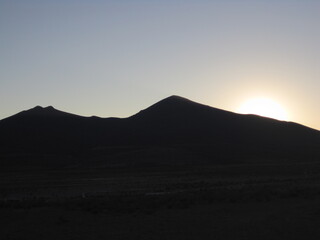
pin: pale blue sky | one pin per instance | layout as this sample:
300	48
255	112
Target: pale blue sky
114	58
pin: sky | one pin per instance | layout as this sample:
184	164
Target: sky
115	58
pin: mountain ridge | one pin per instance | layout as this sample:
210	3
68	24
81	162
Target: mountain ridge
171	100
178	123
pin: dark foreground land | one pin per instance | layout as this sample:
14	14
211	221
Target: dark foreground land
265	201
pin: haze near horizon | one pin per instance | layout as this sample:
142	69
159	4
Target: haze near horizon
112	59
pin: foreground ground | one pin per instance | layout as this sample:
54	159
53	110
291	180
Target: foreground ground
269	201
281	219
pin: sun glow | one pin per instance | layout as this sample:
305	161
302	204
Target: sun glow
264	107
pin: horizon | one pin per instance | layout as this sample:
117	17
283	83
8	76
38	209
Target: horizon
112	59
58	109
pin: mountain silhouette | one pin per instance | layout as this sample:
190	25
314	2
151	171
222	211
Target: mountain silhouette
174	126
41	111
176	116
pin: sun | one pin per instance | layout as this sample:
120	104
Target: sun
264	107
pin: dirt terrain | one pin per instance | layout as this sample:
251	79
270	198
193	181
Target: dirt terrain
271	201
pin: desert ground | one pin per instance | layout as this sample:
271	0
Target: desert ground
263	201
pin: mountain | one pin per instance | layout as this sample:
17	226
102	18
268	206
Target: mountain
174	128
178	118
49	130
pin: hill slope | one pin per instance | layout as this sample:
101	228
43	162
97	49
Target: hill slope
174	128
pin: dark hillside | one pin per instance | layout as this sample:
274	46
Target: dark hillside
174	128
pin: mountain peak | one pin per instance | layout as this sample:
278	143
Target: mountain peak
174	100
39	111
171	106
50	108
40	108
